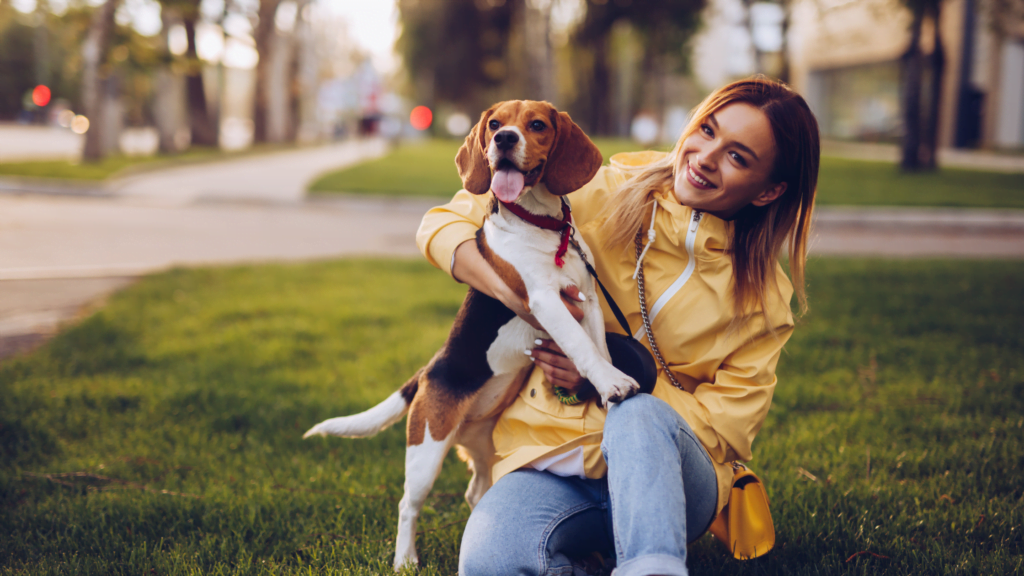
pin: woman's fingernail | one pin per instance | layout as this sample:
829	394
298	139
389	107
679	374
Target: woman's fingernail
538	341
529	353
582	297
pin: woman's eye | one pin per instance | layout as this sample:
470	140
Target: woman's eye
537	125
707	130
739	159
494	124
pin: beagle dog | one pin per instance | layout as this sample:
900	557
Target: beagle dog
528	155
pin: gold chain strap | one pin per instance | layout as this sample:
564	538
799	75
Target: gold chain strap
647	320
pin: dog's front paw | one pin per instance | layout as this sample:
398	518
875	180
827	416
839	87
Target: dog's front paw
613	385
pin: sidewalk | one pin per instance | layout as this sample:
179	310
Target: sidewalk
948	157
280	177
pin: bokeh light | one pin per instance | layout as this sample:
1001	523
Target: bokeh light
65	117
458	124
644	128
421	117
41	95
80	124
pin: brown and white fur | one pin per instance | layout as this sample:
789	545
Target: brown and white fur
531	154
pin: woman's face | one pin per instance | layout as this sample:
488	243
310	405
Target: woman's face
727	163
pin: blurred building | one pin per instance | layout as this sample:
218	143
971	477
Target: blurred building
846	58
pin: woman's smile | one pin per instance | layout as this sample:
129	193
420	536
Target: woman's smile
727	163
697	179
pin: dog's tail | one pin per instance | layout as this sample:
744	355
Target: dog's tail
375	419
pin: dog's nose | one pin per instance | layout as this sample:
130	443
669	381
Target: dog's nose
506	139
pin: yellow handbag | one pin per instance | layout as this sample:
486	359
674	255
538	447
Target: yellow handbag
745	524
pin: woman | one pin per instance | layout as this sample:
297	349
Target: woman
648	475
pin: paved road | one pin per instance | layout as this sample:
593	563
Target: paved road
280	177
61	249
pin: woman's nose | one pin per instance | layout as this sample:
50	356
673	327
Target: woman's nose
706	160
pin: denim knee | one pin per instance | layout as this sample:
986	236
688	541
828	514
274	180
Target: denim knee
637	417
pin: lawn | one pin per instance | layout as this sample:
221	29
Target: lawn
162	435
420	169
116	164
428	169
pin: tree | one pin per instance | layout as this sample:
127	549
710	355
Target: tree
920	137
203	125
455	50
263	34
94	54
666	25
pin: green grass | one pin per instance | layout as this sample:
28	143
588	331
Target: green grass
117	164
428	169
420	169
100	170
861	183
202	381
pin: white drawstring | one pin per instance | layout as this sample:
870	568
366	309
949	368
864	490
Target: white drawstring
651	234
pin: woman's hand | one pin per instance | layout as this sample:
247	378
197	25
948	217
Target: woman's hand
558	369
471	268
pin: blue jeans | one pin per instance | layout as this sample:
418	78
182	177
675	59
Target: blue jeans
660	493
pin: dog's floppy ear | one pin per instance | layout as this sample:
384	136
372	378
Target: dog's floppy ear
472	158
573	161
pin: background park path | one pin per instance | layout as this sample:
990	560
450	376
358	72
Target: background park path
64	247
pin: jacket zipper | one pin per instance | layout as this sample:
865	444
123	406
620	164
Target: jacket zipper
691	264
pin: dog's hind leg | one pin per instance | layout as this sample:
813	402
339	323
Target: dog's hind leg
422	465
475	439
434	421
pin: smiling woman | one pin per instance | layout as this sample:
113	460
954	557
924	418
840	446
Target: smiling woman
750	157
641	479
720	170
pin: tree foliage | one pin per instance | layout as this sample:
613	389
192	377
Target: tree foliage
455	50
666	27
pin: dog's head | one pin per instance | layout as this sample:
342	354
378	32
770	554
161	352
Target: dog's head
521	142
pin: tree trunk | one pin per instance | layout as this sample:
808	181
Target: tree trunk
784	70
536	26
278	123
912	75
94	55
600	89
748	21
263	34
305	104
931	128
204	129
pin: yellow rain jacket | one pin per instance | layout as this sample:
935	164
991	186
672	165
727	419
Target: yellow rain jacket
729	376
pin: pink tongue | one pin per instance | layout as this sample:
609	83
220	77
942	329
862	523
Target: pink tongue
507	184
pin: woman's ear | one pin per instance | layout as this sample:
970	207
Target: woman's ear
574	159
770	194
472	158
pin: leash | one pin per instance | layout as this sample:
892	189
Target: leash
607	297
548	223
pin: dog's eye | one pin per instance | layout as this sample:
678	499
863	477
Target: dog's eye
494	124
537	125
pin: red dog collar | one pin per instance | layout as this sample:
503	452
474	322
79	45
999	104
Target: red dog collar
547	223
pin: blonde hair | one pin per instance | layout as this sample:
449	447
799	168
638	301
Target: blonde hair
758	231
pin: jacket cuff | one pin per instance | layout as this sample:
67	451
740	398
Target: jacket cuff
441	248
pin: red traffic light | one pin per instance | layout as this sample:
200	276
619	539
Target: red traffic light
421	117
41	95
